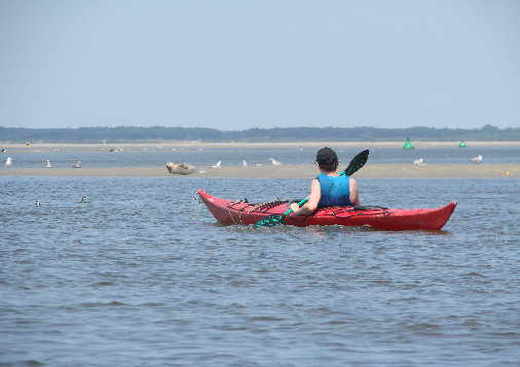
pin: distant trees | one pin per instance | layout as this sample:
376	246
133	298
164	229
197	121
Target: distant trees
158	133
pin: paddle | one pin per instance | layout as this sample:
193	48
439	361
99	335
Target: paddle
276	219
355	165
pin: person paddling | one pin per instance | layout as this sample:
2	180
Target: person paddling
329	188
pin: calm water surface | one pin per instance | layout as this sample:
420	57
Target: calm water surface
233	157
142	276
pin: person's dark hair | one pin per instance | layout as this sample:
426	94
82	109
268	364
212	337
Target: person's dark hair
327	159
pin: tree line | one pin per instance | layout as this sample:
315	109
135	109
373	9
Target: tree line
159	133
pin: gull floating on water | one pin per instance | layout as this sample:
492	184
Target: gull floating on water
244	163
47	163
84	199
477	159
8	162
275	162
419	162
3	150
217	165
77	164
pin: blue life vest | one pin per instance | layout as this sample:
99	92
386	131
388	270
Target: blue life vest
334	190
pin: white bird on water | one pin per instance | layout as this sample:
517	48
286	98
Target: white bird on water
48	164
217	165
419	162
275	162
8	162
244	163
477	159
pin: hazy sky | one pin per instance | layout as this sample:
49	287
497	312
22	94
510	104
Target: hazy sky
241	64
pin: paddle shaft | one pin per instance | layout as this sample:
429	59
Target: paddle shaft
300	204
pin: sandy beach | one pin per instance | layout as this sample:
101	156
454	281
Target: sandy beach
286	171
169	145
268	171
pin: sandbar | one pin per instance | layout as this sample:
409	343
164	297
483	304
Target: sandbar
197	145
285	171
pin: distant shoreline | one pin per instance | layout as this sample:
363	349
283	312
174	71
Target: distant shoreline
168	145
141	134
287	171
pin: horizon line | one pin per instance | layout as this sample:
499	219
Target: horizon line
258	128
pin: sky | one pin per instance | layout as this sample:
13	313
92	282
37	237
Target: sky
243	64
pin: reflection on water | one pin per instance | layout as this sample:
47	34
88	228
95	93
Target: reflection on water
141	275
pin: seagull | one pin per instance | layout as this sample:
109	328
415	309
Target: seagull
84	199
419	162
8	162
217	165
77	164
244	163
37	203
3	150
477	159
275	162
48	164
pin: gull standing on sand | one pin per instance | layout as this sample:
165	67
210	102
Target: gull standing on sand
217	165
8	162
477	159
275	162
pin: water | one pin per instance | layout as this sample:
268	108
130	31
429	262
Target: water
233	157
142	276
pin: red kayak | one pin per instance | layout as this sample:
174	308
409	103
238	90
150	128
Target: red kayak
242	212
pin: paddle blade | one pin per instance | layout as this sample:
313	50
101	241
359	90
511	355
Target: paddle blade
357	162
270	221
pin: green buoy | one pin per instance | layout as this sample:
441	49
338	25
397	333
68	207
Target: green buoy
408	144
462	144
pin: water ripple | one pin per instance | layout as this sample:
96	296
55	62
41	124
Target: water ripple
143	276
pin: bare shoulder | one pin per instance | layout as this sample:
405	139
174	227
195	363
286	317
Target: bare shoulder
353	183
